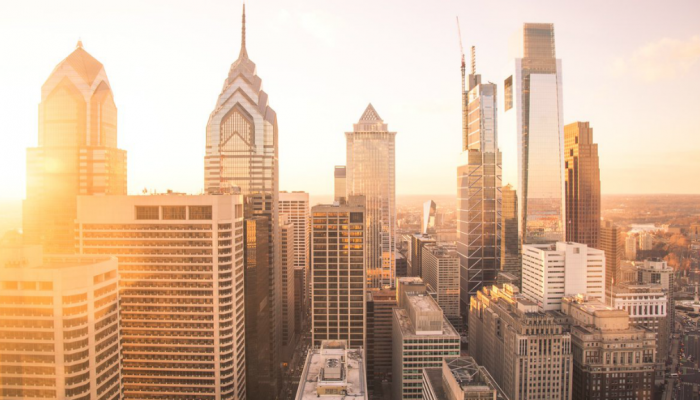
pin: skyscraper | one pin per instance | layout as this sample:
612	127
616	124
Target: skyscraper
612	242
338	272
534	93
181	290
441	274
478	190
510	244
370	173
582	184
242	151
77	152
340	182
287	254
428	223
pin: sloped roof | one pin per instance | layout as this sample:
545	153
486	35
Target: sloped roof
370	114
84	64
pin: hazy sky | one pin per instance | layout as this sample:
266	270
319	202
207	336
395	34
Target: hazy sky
631	68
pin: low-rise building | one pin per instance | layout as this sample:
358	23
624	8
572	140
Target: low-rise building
333	372
460	378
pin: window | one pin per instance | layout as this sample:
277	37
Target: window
147	212
174	212
200	212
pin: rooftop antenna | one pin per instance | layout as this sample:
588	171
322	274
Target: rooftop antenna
465	142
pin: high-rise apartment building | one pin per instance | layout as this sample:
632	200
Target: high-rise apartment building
510	243
612	358
646	241
287	253
380	304
422	338
296	206
441	274
371	173
181	289
340	183
612	243
338	271
59	328
630	246
527	351
551	272
77	152
534	94
242	150
582	174
478	189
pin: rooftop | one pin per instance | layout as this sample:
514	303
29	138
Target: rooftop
334	373
409	330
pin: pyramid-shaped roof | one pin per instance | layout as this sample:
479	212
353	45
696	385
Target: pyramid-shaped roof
370	114
84	64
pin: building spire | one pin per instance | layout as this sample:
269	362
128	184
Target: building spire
244	52
79	45
473	60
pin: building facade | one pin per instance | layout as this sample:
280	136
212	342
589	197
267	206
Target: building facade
338	280
333	371
340	183
460	378
551	272
380	304
534	94
415	253
296	206
287	253
59	328
371	173
77	152
582	186
613	244
441	274
631	246
527	351
657	271
510	243
181	289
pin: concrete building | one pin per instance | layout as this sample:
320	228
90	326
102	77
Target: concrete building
551	272
612	358
59	328
646	241
527	351
415	253
582	186
296	206
287	253
181	267
371	164
77	152
338	273
441	274
380	304
656	270
422	338
340	183
612	242
631	246
511	262
333	371
401	266
533	103
460	378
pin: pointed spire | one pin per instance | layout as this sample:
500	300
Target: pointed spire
370	114
79	45
244	52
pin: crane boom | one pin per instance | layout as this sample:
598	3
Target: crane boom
461	48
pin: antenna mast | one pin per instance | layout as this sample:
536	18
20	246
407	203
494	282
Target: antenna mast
464	93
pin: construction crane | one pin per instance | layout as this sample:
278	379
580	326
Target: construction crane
464	93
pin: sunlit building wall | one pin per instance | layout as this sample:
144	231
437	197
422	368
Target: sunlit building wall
533	98
510	244
371	173
59	327
340	183
77	152
296	206
287	253
181	267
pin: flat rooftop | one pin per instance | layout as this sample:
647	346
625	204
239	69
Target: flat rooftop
408	330
354	378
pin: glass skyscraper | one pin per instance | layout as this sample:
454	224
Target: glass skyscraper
371	173
534	93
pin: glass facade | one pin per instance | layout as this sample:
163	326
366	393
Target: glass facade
371	173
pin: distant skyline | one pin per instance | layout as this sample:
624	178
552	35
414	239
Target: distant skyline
633	71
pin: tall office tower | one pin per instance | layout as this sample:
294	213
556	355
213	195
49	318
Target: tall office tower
259	371
401	266
441	274
415	260
338	272
510	244
59	331
296	206
630	246
534	94
646	305
613	244
379	316
460	378
340	183
582	184
646	241
429	210
551	272
527	351
370	173
612	358
181	289
77	152
656	270
242	150
333	371
478	190
287	247
418	324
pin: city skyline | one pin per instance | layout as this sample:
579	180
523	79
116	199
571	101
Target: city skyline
641	60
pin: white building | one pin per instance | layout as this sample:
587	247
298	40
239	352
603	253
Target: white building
646	240
59	328
631	246
551	272
181	287
333	372
441	273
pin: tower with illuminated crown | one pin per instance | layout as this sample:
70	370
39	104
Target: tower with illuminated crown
242	151
77	152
